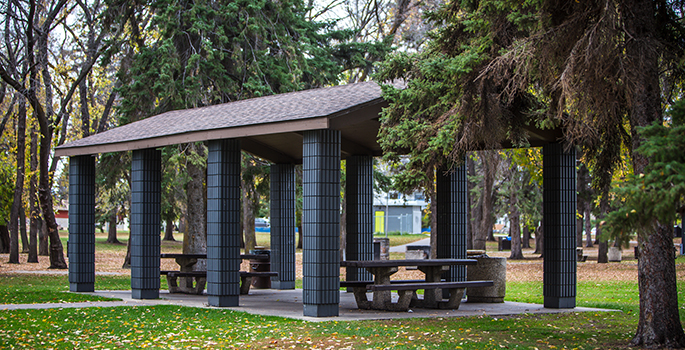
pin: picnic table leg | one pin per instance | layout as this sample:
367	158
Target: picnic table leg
455	299
432	297
360	297
245	283
382	299
172	282
189	285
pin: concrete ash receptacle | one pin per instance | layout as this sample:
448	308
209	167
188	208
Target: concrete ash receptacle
488	269
383	246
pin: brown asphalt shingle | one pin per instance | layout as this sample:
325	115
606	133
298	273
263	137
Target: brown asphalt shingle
269	109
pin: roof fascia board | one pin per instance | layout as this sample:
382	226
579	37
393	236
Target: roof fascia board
204	135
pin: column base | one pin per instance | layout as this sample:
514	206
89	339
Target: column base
145	293
321	310
560	303
282	285
223	300
81	287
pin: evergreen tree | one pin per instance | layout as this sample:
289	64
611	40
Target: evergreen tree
211	52
599	69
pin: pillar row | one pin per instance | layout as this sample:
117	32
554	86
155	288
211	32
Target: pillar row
359	192
146	180
223	223
452	206
321	223
81	246
282	208
559	209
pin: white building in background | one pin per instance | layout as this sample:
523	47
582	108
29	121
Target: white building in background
397	212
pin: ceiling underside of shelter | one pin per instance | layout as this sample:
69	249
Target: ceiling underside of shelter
270	127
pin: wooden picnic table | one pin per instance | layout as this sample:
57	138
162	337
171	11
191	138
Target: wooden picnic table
432	285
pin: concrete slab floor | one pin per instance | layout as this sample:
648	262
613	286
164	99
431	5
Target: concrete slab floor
288	303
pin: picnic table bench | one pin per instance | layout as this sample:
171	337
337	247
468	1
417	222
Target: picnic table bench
433	285
193	282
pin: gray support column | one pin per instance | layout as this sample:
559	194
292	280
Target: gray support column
223	223
452	205
283	225
321	223
359	192
559	209
82	224
146	179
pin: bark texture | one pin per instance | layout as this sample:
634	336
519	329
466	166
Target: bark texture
515	228
659	323
17	205
195	236
482	211
4	239
36	222
112	228
169	231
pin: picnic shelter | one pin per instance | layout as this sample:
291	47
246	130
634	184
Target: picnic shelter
316	128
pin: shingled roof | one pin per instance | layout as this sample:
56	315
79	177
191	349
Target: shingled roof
269	126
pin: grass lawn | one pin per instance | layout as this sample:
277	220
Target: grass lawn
181	327
172	326
32	289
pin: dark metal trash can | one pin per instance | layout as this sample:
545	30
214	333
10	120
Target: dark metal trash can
261	265
504	243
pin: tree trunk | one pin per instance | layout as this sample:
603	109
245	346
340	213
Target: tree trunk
43	248
195	236
579	222
475	205
4	239
22	231
484	211
525	242
602	247
17	204
127	258
490	166
34	209
539	241
45	196
34	227
182	223
470	185
249	207
515	227
169	231
112	229
659	323
588	226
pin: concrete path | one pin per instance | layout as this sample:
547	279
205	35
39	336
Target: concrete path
403	248
288	303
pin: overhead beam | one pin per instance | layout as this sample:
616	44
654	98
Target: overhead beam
350	148
261	150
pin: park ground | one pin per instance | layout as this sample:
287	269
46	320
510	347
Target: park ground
610	286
